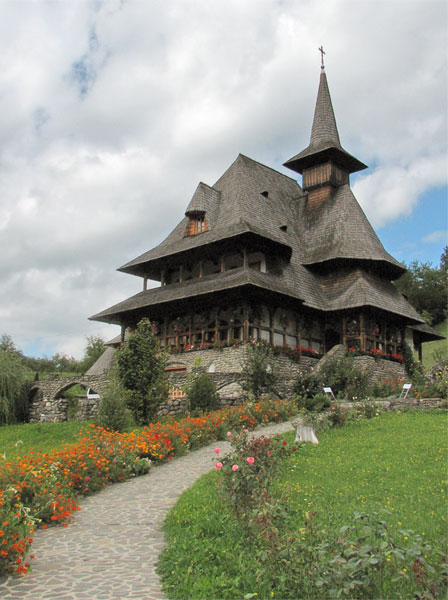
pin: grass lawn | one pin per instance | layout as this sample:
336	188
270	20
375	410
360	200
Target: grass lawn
395	462
15	440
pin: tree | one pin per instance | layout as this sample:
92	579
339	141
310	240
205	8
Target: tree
426	288
94	349
13	377
141	370
257	373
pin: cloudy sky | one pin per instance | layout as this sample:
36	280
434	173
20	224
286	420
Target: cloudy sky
113	111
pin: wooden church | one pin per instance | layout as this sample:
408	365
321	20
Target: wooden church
257	256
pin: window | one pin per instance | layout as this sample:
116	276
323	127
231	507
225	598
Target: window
197	224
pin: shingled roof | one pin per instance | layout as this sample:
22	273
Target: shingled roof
234	205
229	280
324	142
340	230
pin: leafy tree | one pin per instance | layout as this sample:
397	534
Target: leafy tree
13	377
257	373
426	288
94	349
141	370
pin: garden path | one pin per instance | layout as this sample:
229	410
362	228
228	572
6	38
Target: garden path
111	548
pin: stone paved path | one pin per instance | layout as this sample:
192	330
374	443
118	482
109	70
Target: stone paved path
111	548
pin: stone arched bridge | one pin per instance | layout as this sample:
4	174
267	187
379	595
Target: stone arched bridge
46	396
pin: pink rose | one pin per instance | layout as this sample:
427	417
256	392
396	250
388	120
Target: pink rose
250	460
246	431
229	433
217	450
235	468
218	466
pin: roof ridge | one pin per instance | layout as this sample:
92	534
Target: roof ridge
257	162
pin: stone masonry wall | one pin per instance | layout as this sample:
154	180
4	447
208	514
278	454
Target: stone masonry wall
225	366
48	403
380	369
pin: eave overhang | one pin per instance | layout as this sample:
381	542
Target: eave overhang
312	156
205	245
194	291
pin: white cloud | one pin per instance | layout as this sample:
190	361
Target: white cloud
390	192
113	111
441	235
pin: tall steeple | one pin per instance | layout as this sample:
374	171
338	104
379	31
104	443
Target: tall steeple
325	145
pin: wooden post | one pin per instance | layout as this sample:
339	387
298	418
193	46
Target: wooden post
223	263
200	270
244	258
165	330
344	330
162	277
181	273
362	330
245	322
145	283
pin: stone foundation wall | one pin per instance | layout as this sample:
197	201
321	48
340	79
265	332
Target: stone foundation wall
380	369
224	366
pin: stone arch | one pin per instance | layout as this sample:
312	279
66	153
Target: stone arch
231	390
67	385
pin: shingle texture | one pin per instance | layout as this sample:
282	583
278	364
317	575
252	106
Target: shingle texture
202	200
339	229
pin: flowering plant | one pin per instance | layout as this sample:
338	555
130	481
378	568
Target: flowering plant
249	469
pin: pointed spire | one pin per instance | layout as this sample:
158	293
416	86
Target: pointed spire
324	128
325	144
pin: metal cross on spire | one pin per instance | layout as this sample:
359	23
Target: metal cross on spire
321	50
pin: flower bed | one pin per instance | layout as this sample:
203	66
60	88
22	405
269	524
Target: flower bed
44	489
376	353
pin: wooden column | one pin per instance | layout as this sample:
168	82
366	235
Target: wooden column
162	277
245	322
181	273
165	330
244	257
344	330
222	264
362	330
200	270
145	283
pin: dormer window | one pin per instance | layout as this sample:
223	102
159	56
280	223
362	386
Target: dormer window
197	224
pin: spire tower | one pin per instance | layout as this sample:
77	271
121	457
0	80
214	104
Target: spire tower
325	146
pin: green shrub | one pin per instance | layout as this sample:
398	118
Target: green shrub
113	413
317	403
257	370
307	385
202	395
